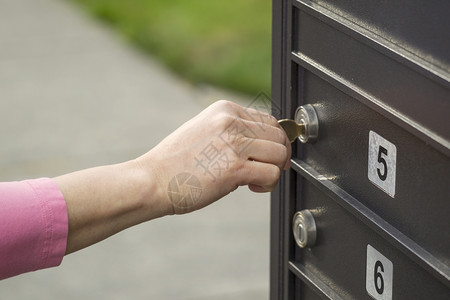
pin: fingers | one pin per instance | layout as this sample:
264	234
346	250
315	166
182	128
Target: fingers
266	143
258	140
258	130
268	152
259	176
250	125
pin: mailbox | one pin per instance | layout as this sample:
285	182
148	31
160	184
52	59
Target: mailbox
364	211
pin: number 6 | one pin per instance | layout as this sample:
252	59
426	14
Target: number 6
378	277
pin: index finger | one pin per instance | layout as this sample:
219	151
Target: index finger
258	116
263	119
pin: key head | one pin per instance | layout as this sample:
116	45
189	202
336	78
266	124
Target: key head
292	129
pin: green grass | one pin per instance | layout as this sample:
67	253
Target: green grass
224	43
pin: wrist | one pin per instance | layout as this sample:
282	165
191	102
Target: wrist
150	188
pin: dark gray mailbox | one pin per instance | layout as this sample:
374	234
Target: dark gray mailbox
364	212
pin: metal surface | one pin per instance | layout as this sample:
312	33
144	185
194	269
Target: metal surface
314	282
378	75
306	114
304	229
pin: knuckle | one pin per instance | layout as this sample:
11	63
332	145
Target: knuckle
222	120
224	104
273	120
240	172
268	120
239	142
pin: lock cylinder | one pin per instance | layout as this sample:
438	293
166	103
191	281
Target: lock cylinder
304	229
306	115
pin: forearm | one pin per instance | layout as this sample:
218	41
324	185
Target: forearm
105	200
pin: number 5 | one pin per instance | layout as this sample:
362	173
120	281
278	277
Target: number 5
382	150
382	160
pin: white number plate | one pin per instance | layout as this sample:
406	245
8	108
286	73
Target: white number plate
379	274
382	163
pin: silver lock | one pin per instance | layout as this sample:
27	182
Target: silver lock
307	116
304	229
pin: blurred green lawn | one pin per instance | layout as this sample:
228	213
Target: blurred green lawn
224	43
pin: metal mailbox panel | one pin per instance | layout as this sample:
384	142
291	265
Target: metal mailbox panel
418	26
422	188
378	76
339	258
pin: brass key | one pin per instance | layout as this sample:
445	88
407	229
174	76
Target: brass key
293	129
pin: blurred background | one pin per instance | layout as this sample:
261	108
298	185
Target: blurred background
91	82
224	43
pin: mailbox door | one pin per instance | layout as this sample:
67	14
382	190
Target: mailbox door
377	179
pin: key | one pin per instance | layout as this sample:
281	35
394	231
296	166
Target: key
293	129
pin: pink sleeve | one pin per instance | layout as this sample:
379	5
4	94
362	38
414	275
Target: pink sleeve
33	226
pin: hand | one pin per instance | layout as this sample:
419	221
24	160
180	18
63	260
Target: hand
223	147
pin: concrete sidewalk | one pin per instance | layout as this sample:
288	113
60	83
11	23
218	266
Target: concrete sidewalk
74	95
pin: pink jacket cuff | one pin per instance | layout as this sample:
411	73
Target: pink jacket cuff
33	226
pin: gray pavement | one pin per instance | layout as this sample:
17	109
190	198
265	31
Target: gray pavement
75	95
